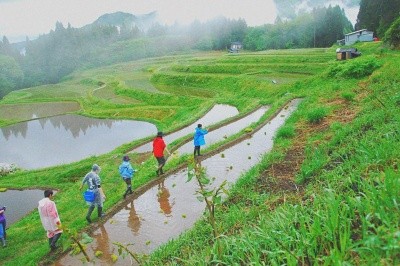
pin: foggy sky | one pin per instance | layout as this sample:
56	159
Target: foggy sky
20	18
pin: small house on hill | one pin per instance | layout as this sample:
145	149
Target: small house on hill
346	53
360	35
235	47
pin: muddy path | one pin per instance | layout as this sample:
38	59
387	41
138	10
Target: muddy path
169	207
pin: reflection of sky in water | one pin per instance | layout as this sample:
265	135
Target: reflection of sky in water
224	132
64	139
19	203
218	113
167	210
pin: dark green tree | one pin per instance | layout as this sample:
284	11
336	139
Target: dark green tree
330	25
11	76
256	39
392	35
377	16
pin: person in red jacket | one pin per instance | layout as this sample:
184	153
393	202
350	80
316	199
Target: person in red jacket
158	150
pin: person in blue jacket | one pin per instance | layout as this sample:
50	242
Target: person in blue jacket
198	139
126	171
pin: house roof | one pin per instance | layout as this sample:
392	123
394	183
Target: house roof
341	50
358	31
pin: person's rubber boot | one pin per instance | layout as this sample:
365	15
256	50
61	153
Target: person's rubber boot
130	190
100	212
126	192
3	241
158	172
89	213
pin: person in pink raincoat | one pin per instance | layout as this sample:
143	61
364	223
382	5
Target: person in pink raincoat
50	219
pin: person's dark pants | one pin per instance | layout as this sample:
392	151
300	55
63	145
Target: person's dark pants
161	163
128	182
53	240
196	150
89	213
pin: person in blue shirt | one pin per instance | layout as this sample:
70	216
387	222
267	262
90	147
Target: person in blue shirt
126	171
198	139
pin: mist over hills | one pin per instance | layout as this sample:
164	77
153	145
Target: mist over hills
127	20
289	9
120	37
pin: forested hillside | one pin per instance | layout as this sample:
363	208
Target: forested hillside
377	16
122	37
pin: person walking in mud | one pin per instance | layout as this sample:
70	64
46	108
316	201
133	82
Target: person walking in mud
198	139
158	151
49	217
93	181
126	171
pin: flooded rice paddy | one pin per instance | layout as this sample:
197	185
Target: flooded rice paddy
217	114
225	131
166	210
19	203
64	139
30	111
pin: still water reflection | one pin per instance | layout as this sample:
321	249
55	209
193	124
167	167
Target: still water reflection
65	139
19	203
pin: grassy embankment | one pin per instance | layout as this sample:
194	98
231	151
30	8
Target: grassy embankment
329	192
126	97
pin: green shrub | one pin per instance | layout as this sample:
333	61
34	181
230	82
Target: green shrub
348	96
356	68
285	132
316	115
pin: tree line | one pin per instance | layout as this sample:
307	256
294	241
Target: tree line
53	56
377	16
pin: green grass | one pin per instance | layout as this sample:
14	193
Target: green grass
348	96
316	115
349	211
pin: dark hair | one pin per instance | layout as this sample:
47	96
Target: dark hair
48	193
199	125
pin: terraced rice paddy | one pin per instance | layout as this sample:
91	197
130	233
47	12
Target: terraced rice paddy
173	93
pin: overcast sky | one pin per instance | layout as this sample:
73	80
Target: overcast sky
32	17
